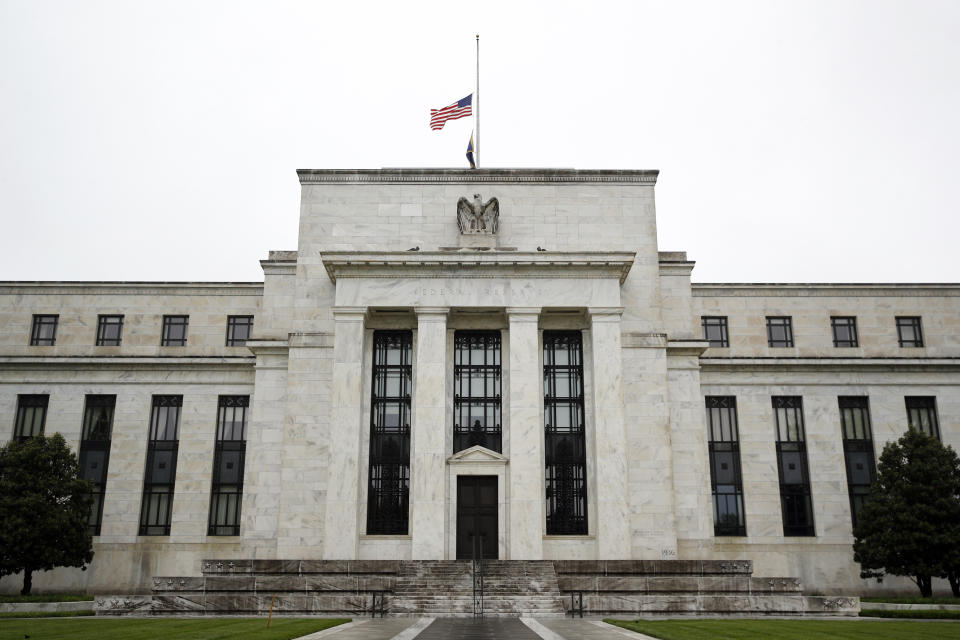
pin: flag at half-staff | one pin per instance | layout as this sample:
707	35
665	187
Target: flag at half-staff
459	109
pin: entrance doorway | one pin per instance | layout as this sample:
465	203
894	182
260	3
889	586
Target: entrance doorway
477	516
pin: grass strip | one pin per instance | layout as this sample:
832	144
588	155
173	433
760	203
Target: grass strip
737	629
917	614
911	600
168	629
46	614
47	597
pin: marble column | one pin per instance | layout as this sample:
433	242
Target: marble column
341	525
428	448
612	495
526	491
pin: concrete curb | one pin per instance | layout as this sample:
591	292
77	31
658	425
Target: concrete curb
895	606
45	607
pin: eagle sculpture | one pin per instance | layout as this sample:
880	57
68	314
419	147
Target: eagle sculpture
477	217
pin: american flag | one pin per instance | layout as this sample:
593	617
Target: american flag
460	109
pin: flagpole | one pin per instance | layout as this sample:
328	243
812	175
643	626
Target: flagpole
476	99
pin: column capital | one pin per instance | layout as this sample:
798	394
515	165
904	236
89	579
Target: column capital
521	314
349	314
605	314
432	314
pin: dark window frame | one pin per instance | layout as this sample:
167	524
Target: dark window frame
230	448
723	442
169	324
915	324
780	322
858	451
470	404
106	322
40	322
796	499
95	438
839	324
923	409
718	323
156	507
30	405
234	323
388	477
565	458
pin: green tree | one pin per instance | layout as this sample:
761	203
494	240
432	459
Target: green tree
910	525
44	508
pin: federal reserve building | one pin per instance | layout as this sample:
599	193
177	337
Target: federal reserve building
493	368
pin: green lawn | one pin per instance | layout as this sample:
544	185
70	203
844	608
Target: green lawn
792	629
168	629
926	614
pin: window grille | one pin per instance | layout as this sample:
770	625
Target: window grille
229	456
922	414
857	450
44	331
477	390
780	331
31	416
388	497
909	331
564	438
161	472
844	331
715	330
239	330
795	498
109	331
174	331
725	475
95	451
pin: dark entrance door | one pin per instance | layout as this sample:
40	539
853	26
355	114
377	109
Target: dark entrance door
476	515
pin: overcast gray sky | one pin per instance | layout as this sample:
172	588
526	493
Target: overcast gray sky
797	141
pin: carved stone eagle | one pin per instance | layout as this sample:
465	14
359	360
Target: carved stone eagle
477	217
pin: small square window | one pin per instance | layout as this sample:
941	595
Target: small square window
174	331
44	332
715	330
239	329
109	331
780	331
844	331
909	332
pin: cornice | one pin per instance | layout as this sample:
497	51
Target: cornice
824	290
827	364
133	288
219	363
444	264
476	176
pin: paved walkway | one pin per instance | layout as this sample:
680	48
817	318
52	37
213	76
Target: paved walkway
471	629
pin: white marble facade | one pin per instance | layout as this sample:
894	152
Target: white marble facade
381	250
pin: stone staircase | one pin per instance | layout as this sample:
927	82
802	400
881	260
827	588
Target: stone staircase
445	588
541	588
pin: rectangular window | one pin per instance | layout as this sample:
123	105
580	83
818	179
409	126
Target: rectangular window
725	478
909	332
922	414
31	416
388	497
476	390
857	450
44	331
95	451
795	500
161	472
715	330
844	331
239	329
779	331
564	437
109	331
174	331
229	455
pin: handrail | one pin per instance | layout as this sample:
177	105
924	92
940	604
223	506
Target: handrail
477	568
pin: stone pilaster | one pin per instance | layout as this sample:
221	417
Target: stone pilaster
612	527
341	532
525	436
428	450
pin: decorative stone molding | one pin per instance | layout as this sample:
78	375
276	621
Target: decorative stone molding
476	176
687	347
477	455
644	341
305	339
491	264
827	363
205	289
814	290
